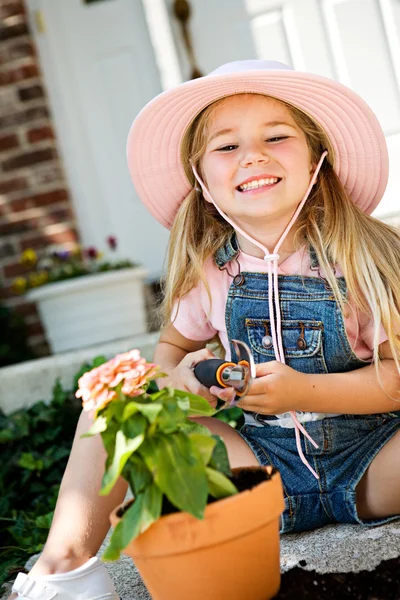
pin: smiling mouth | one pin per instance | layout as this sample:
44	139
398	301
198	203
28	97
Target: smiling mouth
258	183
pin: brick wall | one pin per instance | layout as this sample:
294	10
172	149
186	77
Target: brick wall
35	208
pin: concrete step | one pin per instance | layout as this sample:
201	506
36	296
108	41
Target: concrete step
331	549
23	384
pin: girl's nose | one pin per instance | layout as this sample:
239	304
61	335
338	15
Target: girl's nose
254	155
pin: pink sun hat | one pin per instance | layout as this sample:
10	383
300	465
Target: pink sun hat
154	142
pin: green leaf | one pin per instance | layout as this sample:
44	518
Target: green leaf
129	410
219	460
198	405
171	416
44	521
193	426
178	470
98	360
59	394
204	444
184	404
145	509
137	474
27	461
219	485
124	447
114	409
150	411
98	426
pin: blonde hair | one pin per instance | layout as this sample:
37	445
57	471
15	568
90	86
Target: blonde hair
367	250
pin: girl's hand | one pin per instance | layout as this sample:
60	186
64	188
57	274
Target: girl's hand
182	376
277	389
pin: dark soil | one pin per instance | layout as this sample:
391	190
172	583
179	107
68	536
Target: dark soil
381	584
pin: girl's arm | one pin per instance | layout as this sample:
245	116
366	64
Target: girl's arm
176	356
279	388
356	392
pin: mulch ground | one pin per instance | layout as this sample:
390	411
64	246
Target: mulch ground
381	584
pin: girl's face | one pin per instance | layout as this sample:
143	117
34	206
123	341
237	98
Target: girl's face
257	164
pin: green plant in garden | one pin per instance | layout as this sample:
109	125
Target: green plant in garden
171	462
55	263
34	446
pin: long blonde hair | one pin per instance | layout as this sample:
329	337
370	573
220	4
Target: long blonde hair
367	250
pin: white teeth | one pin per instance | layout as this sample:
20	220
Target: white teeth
256	183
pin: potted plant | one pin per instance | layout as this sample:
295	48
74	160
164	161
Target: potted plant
84	298
194	528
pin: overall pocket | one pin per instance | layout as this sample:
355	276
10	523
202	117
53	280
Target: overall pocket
302	343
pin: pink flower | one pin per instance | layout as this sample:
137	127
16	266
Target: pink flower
96	386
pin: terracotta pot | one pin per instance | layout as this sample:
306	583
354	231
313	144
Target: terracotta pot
232	553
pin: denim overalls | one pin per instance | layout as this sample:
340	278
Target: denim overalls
315	341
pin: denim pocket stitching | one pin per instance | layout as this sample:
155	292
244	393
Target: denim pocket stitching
314	329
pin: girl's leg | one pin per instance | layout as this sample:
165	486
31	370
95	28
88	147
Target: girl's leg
239	453
81	518
378	492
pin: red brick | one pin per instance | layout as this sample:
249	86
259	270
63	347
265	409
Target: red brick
36	223
13	185
24	116
8	141
5	293
13	31
15	228
35	329
38	200
29	158
27	309
30	93
20	74
15	270
21	50
40	133
11	9
61	237
6	78
25	72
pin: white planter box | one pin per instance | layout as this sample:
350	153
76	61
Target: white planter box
93	309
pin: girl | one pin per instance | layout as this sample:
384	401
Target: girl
252	158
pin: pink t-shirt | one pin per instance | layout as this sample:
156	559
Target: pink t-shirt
196	320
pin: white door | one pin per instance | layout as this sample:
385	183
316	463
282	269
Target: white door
100	70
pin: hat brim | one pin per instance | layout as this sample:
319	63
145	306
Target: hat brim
154	141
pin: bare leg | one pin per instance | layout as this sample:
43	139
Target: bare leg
378	493
81	518
239	453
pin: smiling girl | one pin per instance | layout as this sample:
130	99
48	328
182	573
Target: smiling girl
268	177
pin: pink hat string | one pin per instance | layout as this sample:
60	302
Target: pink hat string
273	291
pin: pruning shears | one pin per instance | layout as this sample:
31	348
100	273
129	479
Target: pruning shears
239	374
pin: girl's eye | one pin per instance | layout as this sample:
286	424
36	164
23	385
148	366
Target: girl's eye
277	138
227	148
